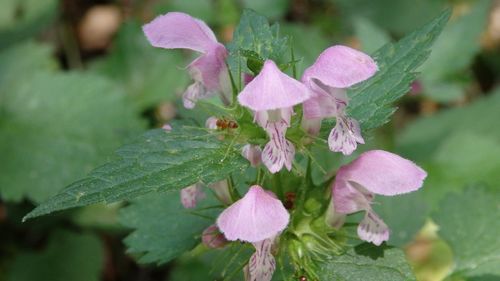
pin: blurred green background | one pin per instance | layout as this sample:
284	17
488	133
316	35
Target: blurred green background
78	79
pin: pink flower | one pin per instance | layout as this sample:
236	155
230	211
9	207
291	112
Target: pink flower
355	186
212	237
335	70
167	127
272	95
191	195
255	217
252	153
181	31
262	264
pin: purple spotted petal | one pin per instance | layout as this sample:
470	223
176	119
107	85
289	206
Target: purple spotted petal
383	173
345	136
272	89
278	152
373	229
180	31
253	154
255	217
191	195
341	67
262	264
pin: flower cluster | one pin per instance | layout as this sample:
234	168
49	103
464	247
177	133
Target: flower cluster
272	97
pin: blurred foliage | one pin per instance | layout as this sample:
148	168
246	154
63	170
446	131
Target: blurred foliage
58	123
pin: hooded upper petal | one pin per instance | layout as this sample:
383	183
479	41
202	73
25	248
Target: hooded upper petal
255	217
272	89
210	68
384	173
341	67
180	31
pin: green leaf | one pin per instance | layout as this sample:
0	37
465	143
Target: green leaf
368	263
455	50
22	61
20	20
420	140
470	223
57	127
148	75
371	101
370	35
68	256
163	228
270	9
398	16
158	161
254	33
395	212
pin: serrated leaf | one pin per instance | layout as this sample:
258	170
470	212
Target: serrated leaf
371	101
68	256
148	75
254	33
470	223
162	228
158	161
368	263
57	127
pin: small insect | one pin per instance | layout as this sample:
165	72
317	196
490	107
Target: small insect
302	278
223	124
289	200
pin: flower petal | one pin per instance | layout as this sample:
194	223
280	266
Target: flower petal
325	101
180	31
193	93
345	136
341	67
252	153
272	89
349	197
255	217
209	68
191	195
384	173
278	152
211	123
262	264
373	229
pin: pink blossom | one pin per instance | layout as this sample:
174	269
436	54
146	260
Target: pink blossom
255	217
336	69
166	127
181	31
272	95
355	186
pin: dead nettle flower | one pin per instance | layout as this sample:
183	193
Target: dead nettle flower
335	70
373	172
258	218
272	95
181	31
167	127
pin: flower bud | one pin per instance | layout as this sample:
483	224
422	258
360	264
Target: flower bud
213	238
253	154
